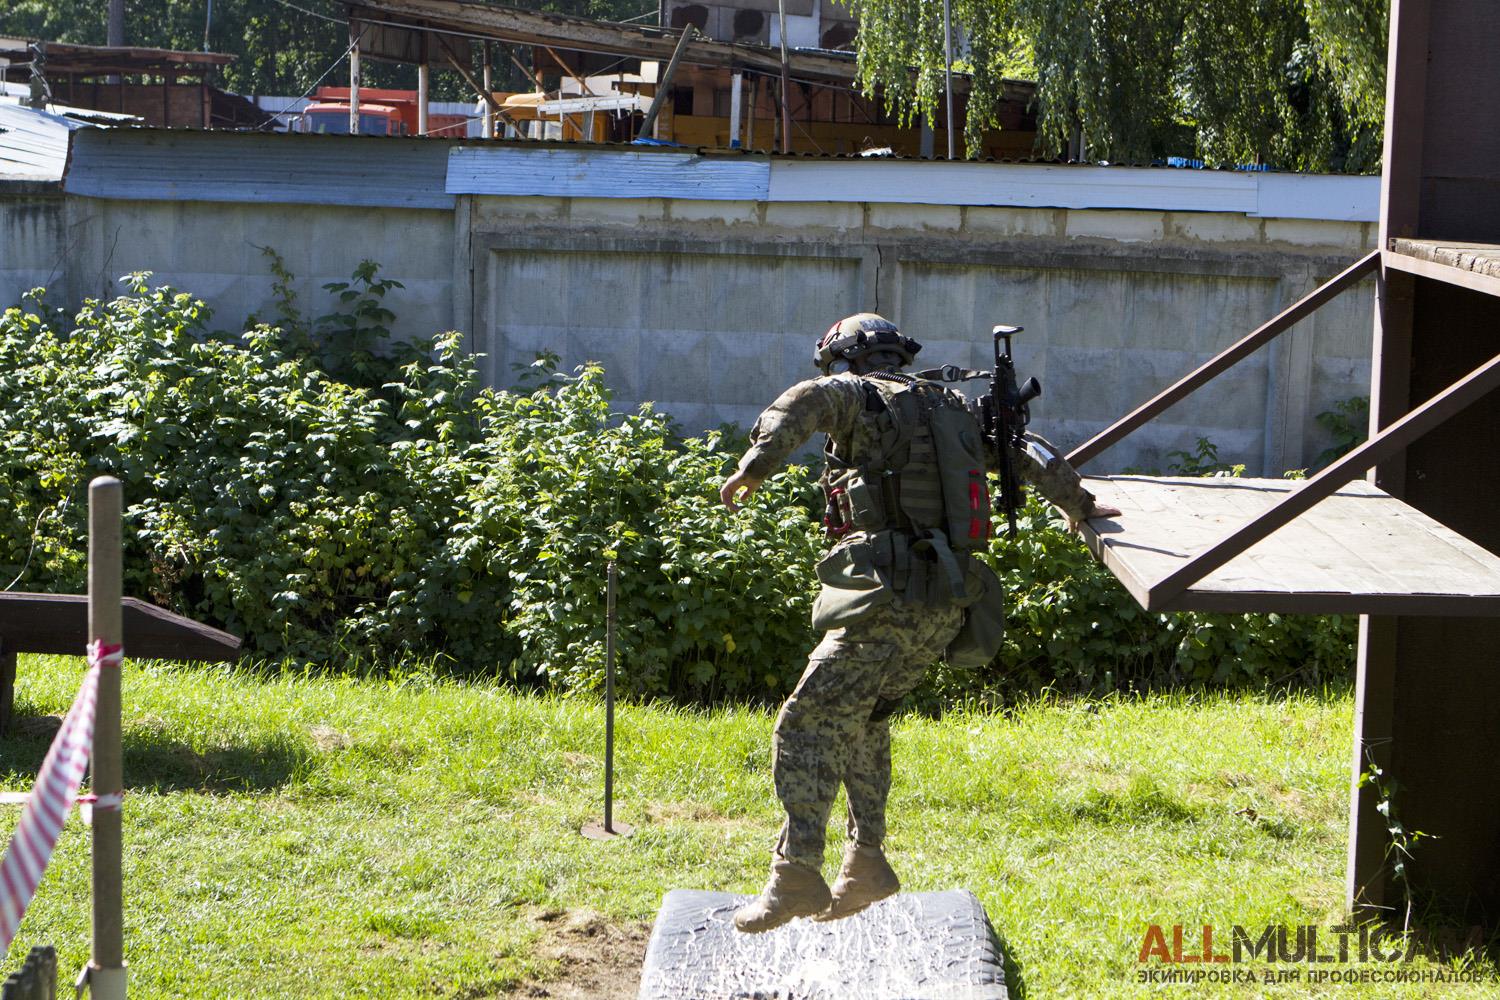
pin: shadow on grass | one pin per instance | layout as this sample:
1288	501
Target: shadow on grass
1142	801
1004	698
1015	983
154	760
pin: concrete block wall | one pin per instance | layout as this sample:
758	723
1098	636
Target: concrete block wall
213	251
33	239
710	309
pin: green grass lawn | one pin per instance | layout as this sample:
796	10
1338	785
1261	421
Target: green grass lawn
327	838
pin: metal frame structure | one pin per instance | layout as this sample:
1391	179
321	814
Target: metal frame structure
1426	690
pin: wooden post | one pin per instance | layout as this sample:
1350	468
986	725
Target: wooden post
7	685
354	33
750	115
106	970
36	979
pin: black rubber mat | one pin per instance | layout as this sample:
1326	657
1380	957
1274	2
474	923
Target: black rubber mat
913	946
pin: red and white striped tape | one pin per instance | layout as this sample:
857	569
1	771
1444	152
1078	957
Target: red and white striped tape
46	809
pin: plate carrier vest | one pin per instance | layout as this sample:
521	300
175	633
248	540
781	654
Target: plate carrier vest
925	478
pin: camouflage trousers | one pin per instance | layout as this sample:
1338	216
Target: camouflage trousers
829	730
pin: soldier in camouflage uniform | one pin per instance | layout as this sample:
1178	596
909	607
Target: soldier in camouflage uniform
833	728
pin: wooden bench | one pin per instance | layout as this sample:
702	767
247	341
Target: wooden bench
57	624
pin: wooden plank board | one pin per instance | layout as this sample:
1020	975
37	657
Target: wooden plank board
1471	265
1480	258
58	624
1360	551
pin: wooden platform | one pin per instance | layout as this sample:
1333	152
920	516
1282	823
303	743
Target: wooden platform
1471	265
1360	551
58	624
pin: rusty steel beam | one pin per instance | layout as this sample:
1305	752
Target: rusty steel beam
540	28
1225	359
1461	394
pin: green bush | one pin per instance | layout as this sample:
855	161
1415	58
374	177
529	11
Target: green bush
342	501
391	508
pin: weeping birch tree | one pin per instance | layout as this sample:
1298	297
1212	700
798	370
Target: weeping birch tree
1298	84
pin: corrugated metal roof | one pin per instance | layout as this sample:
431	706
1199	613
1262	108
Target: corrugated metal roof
33	144
181	165
601	173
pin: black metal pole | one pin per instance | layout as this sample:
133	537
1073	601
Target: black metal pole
609	701
609	829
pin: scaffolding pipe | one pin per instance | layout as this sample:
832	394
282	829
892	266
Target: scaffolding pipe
354	33
948	69
786	113
664	85
423	79
734	110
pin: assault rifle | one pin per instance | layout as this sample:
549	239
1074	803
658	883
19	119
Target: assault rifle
1003	414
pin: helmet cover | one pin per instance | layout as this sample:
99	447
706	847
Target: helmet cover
858	335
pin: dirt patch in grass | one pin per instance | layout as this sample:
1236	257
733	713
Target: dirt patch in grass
37	727
328	739
690	812
596	959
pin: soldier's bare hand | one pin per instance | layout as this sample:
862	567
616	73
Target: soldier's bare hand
738	487
1097	510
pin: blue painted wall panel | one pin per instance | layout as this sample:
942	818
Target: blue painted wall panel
161	165
596	173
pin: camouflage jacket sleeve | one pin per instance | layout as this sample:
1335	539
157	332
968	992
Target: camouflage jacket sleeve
1042	465
829	405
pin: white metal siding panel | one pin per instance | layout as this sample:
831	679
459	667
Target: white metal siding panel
1284	196
1011	184
596	173
159	165
1318	196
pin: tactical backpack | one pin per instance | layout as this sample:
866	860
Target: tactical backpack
920	501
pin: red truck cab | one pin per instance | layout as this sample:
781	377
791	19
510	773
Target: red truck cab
381	112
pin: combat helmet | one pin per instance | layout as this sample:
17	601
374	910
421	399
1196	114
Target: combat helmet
859	335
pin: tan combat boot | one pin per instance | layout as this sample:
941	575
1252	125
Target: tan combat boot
865	878
794	891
